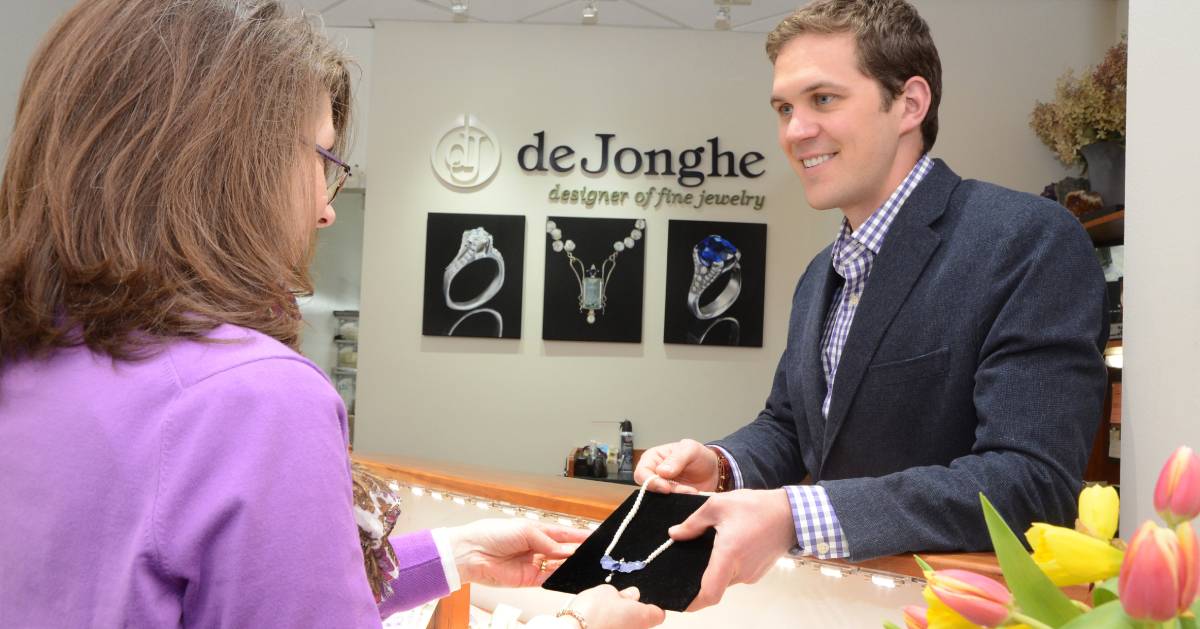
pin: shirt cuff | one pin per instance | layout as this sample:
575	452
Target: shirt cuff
442	541
733	466
817	528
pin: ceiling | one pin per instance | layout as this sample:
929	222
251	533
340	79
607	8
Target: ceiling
755	16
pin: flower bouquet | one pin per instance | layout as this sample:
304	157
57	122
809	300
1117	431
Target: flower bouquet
1151	583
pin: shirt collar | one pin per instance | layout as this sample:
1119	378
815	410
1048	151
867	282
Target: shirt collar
871	233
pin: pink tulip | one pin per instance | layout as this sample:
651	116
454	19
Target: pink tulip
1189	564
1177	494
1149	581
977	598
914	617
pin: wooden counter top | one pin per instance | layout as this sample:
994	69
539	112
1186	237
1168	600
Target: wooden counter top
595	500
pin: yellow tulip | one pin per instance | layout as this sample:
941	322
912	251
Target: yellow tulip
1069	557
1099	507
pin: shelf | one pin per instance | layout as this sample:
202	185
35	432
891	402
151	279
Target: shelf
1107	229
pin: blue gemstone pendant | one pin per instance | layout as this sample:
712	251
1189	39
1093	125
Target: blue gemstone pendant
612	565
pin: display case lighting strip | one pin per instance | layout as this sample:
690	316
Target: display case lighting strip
831	570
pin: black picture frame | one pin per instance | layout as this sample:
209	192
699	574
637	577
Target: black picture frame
497	316
741	324
593	240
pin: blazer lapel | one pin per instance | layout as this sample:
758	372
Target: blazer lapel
906	250
812	373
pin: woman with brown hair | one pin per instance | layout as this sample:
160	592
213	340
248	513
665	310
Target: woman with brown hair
167	458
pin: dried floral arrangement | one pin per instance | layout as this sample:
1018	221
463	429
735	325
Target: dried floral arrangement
1086	109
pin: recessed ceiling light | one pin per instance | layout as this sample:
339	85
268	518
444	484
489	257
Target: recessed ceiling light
590	12
722	20
459	7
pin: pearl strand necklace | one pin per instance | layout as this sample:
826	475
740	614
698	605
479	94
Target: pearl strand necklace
593	282
613	565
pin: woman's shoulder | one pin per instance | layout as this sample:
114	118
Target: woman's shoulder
238	352
243	381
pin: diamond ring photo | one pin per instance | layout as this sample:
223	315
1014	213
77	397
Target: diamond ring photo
476	245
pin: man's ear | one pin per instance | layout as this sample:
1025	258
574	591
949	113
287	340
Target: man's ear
915	98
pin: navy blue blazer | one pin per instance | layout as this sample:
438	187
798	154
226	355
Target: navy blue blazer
973	365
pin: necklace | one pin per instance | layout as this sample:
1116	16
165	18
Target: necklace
613	565
593	282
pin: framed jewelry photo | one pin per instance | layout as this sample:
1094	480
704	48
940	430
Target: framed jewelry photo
474	272
716	274
595	277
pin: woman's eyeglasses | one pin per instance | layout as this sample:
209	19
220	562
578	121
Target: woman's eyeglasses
337	179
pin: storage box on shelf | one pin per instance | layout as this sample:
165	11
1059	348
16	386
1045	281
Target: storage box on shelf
346	370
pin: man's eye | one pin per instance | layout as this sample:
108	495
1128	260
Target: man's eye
824	99
785	109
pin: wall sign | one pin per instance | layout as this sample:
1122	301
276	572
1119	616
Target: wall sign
467	155
685	166
690	168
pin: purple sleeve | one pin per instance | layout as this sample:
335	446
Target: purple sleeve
253	519
421	576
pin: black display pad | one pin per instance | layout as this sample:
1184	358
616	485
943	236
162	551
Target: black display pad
671	581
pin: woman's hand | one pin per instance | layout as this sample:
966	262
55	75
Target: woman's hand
510	552
603	607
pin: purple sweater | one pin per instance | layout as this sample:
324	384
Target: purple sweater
208	486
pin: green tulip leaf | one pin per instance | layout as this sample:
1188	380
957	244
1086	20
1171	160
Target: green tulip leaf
1034	592
921	562
890	625
1105	592
1191	623
1107	616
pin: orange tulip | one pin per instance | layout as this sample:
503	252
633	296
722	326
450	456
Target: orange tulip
1150	574
914	617
1177	494
1189	564
977	598
939	615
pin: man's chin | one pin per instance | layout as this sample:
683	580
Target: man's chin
819	203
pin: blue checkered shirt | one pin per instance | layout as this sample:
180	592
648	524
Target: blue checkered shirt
818	531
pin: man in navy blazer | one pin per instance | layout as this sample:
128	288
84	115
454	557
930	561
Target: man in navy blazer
949	343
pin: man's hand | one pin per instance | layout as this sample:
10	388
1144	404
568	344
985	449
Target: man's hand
509	553
684	467
754	528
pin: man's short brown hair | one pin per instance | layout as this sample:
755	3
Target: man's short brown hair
893	44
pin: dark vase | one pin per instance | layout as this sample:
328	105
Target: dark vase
1106	171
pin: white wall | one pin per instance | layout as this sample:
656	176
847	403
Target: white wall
358	43
337	278
1162	295
337	268
22	28
521	404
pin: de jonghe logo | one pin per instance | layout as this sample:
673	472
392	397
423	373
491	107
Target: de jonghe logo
468	156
